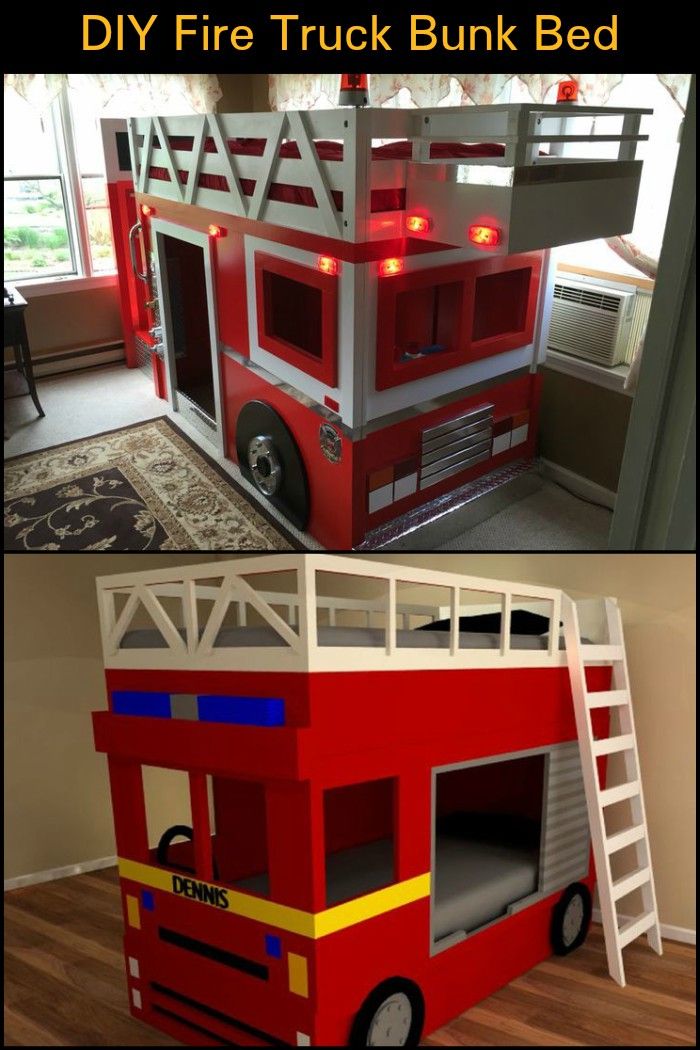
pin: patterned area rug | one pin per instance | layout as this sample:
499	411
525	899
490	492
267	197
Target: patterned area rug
143	488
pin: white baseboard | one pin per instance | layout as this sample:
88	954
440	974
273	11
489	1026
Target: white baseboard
59	873
576	483
671	933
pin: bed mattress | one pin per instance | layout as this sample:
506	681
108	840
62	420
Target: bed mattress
475	881
371	637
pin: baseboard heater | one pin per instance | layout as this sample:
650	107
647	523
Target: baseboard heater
72	360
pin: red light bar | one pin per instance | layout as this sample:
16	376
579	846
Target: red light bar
353	82
147	210
388	267
417	223
327	264
216	231
485	236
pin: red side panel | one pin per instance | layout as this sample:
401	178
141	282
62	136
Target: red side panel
122	210
330	484
402	442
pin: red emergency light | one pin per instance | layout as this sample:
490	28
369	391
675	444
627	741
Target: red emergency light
216	231
417	223
354	89
147	210
567	91
327	264
485	236
388	267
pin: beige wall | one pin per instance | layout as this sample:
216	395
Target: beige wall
57	799
583	427
72	320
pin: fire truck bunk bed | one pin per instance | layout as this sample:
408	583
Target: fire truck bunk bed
367	820
352	305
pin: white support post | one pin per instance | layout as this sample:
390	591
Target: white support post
308	621
506	604
190	614
390	619
454	621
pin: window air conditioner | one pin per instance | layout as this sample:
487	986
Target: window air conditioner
598	323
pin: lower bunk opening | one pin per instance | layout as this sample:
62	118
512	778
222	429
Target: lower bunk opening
487	828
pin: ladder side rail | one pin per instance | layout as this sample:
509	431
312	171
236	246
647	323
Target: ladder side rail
621	680
589	770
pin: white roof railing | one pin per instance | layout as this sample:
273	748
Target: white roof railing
188	607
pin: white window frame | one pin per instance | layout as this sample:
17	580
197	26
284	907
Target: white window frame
76	218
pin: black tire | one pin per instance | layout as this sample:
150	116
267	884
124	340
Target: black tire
571	918
393	988
284	484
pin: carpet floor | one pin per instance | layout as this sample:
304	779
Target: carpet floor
138	488
551	519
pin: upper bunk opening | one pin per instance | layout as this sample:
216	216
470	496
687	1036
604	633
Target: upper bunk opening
520	165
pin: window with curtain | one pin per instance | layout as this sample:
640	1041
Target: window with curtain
635	254
56	210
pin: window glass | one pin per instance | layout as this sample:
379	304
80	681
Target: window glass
36	231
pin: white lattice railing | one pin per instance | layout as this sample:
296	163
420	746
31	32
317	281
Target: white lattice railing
190	608
186	148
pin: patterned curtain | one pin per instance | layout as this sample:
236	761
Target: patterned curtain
310	91
122	94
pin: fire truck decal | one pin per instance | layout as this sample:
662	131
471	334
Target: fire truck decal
306	924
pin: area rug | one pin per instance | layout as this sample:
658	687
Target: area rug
141	488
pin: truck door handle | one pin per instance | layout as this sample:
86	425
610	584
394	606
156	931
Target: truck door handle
133	233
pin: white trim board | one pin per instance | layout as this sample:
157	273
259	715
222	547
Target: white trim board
576	483
59	873
671	933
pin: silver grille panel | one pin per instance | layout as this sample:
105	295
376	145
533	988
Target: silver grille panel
565	845
143	356
454	446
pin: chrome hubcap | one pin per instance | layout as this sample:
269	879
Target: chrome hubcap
264	464
392	1022
573	920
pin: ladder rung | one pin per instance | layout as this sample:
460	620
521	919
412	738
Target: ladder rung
624	838
631	882
635	928
619	794
611	744
608	698
601	653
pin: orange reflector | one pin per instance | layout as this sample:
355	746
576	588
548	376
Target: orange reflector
387	267
327	264
216	231
567	91
485	236
417	223
147	210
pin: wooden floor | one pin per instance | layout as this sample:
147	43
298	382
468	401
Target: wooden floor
65	986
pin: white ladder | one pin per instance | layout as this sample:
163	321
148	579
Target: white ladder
618	699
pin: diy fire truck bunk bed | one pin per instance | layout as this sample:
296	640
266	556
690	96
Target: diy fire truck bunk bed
352	304
397	778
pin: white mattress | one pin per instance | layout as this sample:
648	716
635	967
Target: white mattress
243	637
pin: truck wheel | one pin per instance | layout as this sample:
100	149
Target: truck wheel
571	918
391	1015
269	457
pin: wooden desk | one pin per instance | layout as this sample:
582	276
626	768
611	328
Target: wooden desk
16	337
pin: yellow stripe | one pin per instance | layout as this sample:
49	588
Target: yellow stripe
371	904
305	923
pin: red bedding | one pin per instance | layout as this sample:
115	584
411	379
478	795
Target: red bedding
393	199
